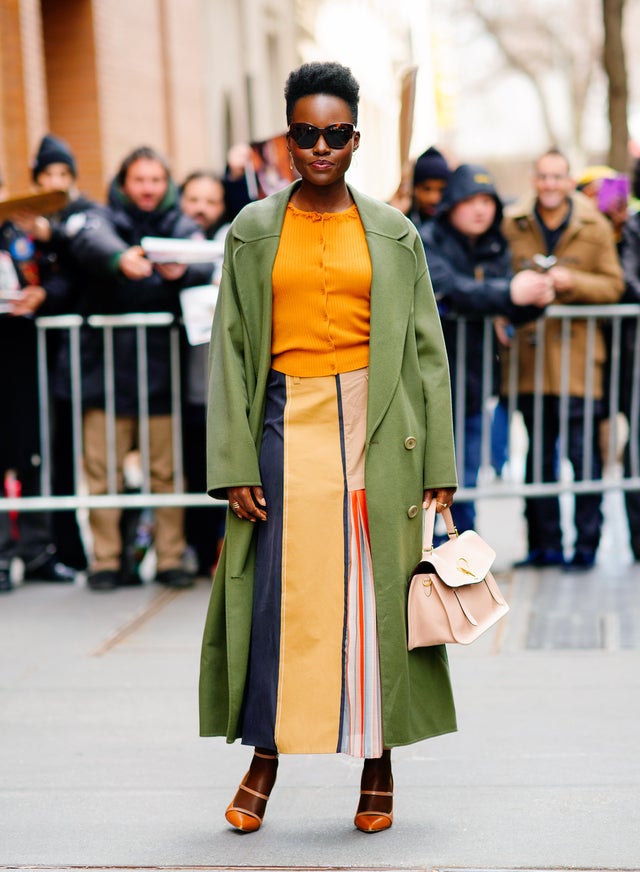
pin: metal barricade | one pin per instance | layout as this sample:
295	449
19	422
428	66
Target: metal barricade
609	316
69	327
488	485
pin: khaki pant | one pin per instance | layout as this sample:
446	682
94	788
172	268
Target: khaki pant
105	523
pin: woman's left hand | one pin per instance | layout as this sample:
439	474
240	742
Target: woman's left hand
442	495
248	503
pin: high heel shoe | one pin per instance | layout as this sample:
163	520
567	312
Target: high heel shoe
244	819
375	820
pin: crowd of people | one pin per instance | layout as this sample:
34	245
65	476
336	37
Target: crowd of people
87	259
344	354
560	245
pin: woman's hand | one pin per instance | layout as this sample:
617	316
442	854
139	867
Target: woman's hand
442	495
248	503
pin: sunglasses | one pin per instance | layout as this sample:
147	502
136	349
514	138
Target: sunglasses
335	135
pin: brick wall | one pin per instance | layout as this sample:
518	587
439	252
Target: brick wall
72	94
110	75
14	142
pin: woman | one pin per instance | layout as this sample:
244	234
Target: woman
329	424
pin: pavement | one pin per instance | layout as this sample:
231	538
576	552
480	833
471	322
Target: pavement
101	764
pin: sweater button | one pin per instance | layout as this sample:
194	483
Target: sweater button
412	511
410	442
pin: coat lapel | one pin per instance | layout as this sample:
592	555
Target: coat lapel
394	274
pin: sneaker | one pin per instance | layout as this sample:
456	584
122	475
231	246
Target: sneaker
5	581
50	570
541	558
175	578
104	579
582	561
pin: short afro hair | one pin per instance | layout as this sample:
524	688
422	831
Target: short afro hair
322	78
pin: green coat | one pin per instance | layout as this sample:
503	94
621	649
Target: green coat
409	448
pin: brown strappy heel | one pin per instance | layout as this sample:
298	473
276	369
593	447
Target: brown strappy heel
242	818
375	821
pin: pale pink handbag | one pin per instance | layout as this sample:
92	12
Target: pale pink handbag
453	597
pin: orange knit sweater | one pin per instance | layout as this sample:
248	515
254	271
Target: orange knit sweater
321	294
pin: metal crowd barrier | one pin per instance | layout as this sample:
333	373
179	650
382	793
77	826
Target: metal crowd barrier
80	499
612	477
487	486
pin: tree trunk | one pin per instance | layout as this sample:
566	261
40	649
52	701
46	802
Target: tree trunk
616	69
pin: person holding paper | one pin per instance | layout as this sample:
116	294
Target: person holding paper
22	296
202	198
143	201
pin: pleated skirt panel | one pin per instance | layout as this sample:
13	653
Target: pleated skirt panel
314	678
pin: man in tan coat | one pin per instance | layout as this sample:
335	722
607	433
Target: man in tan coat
582	261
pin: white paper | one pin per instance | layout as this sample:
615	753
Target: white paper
160	250
198	305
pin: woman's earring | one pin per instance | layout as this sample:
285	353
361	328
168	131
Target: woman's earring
291	164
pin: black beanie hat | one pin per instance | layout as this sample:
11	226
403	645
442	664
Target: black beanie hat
52	150
430	165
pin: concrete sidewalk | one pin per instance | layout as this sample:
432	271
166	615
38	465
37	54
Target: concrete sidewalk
101	764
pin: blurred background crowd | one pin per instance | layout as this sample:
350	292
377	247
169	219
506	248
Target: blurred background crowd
506	136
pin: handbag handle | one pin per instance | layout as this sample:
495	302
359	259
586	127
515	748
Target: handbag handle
429	524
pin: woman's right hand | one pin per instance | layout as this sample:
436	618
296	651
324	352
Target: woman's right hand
248	503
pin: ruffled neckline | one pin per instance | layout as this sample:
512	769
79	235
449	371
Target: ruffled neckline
351	212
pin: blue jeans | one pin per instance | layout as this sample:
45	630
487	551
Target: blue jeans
543	513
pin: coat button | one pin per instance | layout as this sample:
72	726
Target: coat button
412	511
410	442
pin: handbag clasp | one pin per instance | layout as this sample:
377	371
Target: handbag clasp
461	567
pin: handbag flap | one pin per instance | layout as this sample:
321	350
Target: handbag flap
465	559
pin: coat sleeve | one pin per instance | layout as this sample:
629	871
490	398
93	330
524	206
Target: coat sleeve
94	242
232	452
598	280
439	461
462	294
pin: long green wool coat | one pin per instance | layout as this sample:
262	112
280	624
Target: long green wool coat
409	447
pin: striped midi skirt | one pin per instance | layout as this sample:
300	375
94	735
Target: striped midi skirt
313	682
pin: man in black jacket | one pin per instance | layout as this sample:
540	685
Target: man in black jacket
142	202
54	168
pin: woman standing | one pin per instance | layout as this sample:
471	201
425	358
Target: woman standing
329	426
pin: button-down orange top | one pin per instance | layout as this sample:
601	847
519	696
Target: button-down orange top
321	294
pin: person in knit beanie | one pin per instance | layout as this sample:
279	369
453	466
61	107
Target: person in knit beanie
420	199
53	151
431	173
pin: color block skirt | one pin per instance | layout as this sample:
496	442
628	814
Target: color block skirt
314	680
